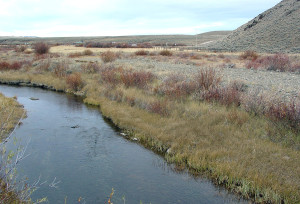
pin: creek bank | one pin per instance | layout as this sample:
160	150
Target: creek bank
235	184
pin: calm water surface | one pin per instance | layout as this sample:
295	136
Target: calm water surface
90	160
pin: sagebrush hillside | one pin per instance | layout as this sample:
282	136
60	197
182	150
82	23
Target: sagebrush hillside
275	30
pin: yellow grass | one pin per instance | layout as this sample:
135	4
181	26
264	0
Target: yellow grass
67	49
10	113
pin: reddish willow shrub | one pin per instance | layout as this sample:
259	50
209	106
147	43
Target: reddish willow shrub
41	48
74	81
166	53
129	78
249	55
277	62
108	56
158	107
141	52
285	111
207	79
176	87
14	65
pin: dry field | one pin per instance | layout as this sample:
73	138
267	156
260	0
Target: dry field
233	117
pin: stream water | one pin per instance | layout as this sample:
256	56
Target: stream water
88	161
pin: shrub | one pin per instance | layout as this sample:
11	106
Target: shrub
226	96
108	56
253	64
138	79
41	48
158	107
285	111
207	79
110	75
88	52
60	70
166	53
4	65
177	87
14	65
75	54
44	65
90	67
129	77
74	81
254	102
279	62
222	56
249	55
141	52
230	96
20	48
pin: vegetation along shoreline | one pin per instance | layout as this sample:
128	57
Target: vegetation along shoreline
192	122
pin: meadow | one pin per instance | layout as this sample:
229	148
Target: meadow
233	117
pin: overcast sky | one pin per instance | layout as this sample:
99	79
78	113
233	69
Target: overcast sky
125	17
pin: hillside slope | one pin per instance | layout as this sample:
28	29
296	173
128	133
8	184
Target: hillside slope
275	30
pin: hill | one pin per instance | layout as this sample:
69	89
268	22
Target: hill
275	30
189	40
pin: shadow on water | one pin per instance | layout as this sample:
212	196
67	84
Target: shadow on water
75	144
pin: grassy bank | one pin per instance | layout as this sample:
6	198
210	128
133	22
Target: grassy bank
230	145
249	143
10	114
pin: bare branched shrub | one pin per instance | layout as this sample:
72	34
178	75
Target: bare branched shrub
111	75
4	65
88	52
277	62
75	54
41	48
60	69
127	77
141	52
16	65
207	79
249	55
44	65
166	53
222	56
254	102
138	79
158	107
91	67
176	87
20	48
74	81
287	111
108	56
